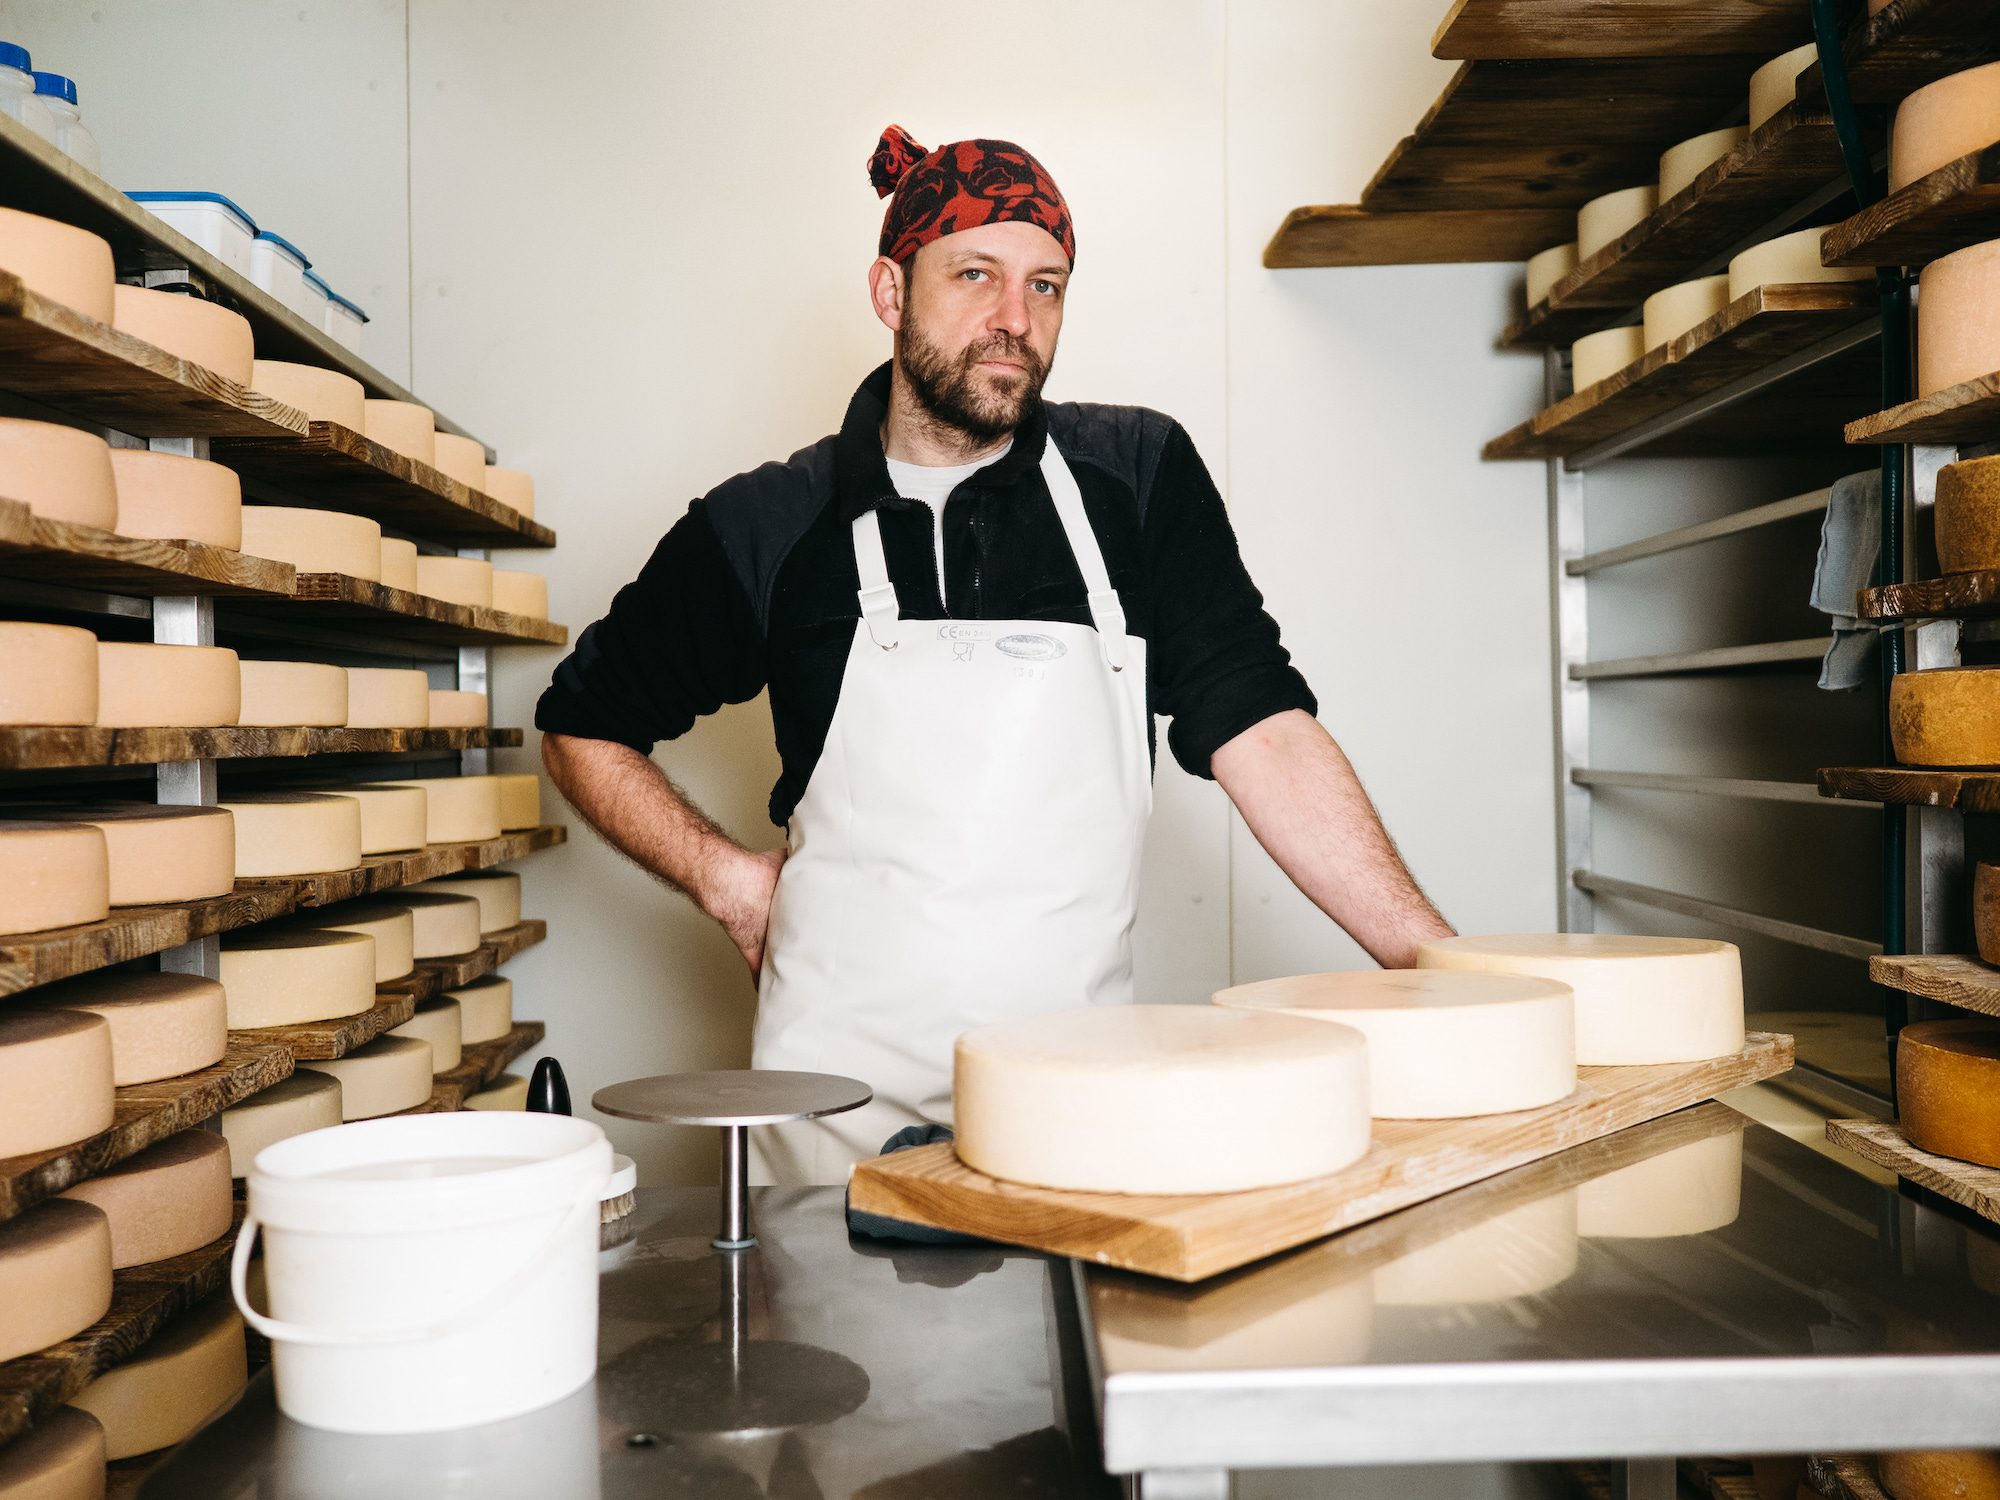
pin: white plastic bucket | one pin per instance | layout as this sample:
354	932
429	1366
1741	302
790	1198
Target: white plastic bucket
427	1272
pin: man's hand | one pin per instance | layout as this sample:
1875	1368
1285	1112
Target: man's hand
740	899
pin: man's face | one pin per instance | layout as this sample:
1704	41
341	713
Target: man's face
981	315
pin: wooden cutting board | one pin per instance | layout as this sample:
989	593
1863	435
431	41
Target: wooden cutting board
1193	1237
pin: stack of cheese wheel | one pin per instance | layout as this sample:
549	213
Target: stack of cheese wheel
199	332
61	473
521	593
498	893
1776	84
442	1024
58	875
387	698
1638	999
1690	1189
459	458
323	395
511	487
1515	1253
305	1101
486	1008
280	834
399	564
61	1457
1948	1088
176	498
175	1382
392	817
169	1199
1946	716
144	685
1986	911
1968	515
1160	1099
48	674
1943	121
1789	260
153	854
390	1074
520	799
402	427
315	541
452	708
1602	220
310	693
55	1079
390	926
162	1025
55	1262
1599	356
286	976
58	261
1958	318
508	1091
1672	311
459	809
1441	1044
445	925
1546	268
456	580
1680	165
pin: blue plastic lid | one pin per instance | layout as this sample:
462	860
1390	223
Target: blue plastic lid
248	222
314	279
287	246
353	307
54	83
12	56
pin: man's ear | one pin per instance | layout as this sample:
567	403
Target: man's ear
887	292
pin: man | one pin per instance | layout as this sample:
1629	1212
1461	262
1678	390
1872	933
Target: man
967	606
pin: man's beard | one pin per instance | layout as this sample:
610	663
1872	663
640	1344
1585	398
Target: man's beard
946	386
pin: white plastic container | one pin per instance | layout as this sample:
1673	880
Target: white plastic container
279	267
427	1272
17	92
209	219
72	137
313	300
344	321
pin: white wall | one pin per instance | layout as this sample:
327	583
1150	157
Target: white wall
625	243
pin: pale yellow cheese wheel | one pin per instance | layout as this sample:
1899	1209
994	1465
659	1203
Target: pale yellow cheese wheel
511	487
55	1267
521	593
498	893
459	458
1546	268
1946	716
459	809
486	1008
1965	1474
1958	318
60	1458
508	1091
1943	121
1692	1189
520	800
439	1023
1967	518
141	684
452	708
162	1025
153	853
183	1376
314	541
48	674
1789	260
456	580
399	564
390	925
171	1198
1672	311
58	875
58	261
62	473
55	1079
392	817
175	498
293	692
1776	84
446	924
323	395
202	333
294	833
1598	356
402	427
292	1106
387	698
1515	1253
391	1073
1681	164
285	976
1603	219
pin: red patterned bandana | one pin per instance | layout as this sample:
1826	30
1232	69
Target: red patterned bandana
961	186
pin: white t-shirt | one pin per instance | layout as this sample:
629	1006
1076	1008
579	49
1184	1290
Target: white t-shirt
934	485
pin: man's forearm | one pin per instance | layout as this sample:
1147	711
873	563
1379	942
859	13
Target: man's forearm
1301	798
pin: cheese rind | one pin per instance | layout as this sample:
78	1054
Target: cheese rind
520	799
1692	1189
55	1079
202	333
162	1025
1672	311
1969	1474
1599	356
61	1457
1948	1088
141	684
459	458
1946	716
1546	268
292	1106
59	261
445	925
1986	911
290	975
1638	999
1441	1044
1967	515
48	674
521	593
459	809
293	692
189	1371
1160	1099
486	1008
1943	121
1604	219
440	1023
498	893
323	395
451	708
176	498
63	473
399	564
391	1073
169	1199
1958	318
511	487
387	698
1681	164
392	817
508	1091
456	580
295	833
402	427
55	1266
155	853
1789	260
315	541
58	875
390	925
1776	84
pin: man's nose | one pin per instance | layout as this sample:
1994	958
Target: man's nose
1010	315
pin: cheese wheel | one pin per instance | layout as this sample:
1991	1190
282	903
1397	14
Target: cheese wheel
1517	1253
169	1199
498	893
323	395
1599	356
520	800
399	564
58	875
60	1458
293	692
1691	1189
314	541
162	1025
1972	1474
186	1374
55	1079
1776	84
202	333
1548	267
62	473
1441	1044
1160	1099
453	709
285	976
520	593
508	1091
175	498
1602	220
391	926
1958	318
486	1008
456	580
387	698
511	487
58	261
1789	260
292	1106
444	925
1948	1088
459	458
392	817
48	674
154	853
460	809
295	833
402	427
1672	311
1638	999
1986	911
391	1073
55	1267
1946	716
1681	164
1967	516
1943	121
144	685
440	1024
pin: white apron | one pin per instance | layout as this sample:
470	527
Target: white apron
967	850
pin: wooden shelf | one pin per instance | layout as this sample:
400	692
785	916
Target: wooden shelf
1845	1476
1976	791
1629	28
481	1063
1955	206
1957	979
1346	234
42	749
336	468
1962	596
1976	1188
144	1300
397	614
46	551
1756	331
1911	43
1965	413
384	872
147	1113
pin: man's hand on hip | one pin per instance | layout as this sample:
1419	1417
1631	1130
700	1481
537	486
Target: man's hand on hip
740	900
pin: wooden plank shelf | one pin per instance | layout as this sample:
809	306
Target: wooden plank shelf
434	976
1879	1141
1756	331
1962	596
336	468
1345	234
1965	413
144	1300
1955	206
481	1063
383	872
1972	790
1845	1476
1910	43
37	748
147	1113
48	551
1957	979
1628	28
337	599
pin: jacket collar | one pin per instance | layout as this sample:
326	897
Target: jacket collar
861	472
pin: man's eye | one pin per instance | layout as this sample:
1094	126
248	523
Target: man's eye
972	271
1047	288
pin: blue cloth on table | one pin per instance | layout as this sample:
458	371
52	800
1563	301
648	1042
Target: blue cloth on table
882	1227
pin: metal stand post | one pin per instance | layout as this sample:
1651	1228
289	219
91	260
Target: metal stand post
736	1233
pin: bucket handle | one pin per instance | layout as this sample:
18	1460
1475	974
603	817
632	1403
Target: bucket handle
300	1333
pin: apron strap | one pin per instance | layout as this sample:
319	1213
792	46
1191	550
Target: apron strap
1106	612
878	596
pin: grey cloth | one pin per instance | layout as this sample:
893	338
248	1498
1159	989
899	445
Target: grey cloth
882	1227
1850	539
